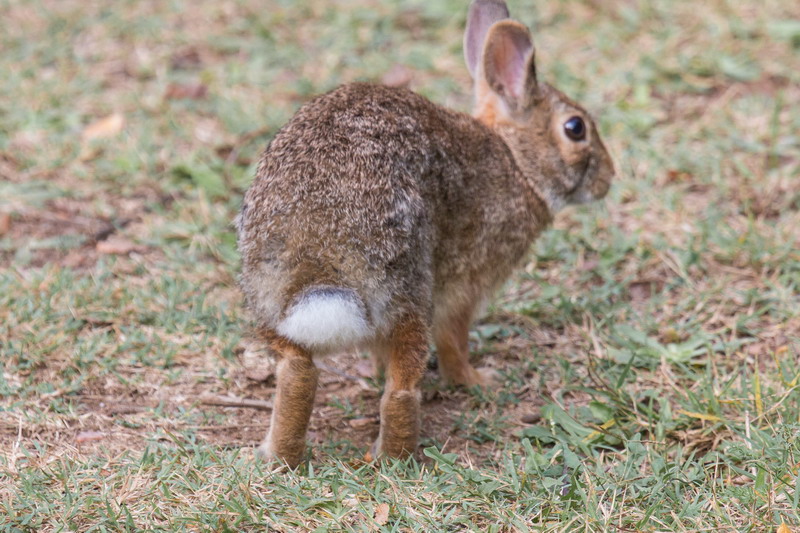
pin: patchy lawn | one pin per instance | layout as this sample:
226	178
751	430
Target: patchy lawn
650	348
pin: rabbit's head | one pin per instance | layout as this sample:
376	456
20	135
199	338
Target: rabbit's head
553	139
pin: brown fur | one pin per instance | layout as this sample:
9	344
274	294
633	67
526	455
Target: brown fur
451	335
406	215
401	398
297	378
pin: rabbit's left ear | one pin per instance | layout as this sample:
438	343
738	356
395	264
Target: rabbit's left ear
482	14
509	64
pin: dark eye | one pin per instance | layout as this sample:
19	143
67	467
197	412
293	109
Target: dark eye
575	129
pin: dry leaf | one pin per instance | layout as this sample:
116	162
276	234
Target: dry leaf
350	501
76	258
358	423
259	365
180	91
675	176
259	374
382	514
89	152
783	528
105	127
365	369
640	291
117	246
5	223
89	436
186	59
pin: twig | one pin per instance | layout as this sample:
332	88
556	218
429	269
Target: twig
236	402
225	428
341	374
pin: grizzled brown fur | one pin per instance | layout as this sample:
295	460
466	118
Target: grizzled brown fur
399	216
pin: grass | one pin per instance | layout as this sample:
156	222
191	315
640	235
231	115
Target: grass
650	348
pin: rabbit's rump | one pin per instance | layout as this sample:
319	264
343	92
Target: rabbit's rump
339	204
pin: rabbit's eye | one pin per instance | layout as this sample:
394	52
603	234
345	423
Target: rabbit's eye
575	129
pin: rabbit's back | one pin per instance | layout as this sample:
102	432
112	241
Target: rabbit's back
381	191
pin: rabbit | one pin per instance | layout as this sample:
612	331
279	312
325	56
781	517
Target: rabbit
378	220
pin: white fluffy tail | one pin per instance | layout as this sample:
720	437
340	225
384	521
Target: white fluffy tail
325	318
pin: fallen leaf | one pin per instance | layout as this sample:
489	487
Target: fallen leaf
530	418
186	59
259	373
89	436
5	223
76	258
365	369
258	363
89	152
105	127
783	528
350	501
116	246
224	151
640	291
676	175
382	514
181	91
357	423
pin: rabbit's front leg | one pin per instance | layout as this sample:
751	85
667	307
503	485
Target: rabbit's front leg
451	334
400	416
296	378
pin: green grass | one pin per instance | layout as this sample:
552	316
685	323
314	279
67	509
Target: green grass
650	349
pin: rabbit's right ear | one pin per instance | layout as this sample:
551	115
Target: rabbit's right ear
482	14
509	64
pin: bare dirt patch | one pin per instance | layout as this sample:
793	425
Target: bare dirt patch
109	417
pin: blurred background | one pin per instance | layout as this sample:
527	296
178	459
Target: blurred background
160	101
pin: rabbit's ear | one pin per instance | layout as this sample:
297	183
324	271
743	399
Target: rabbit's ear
509	64
482	14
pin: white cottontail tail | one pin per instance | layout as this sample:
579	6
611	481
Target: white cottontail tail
378	219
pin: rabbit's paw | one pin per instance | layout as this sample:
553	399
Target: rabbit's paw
277	462
487	378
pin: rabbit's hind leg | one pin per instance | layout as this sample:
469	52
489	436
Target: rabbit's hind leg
296	378
400	404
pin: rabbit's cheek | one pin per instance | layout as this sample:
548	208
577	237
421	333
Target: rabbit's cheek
582	190
581	196
600	173
574	179
600	187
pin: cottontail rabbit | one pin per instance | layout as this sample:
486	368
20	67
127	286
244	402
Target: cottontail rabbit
378	219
